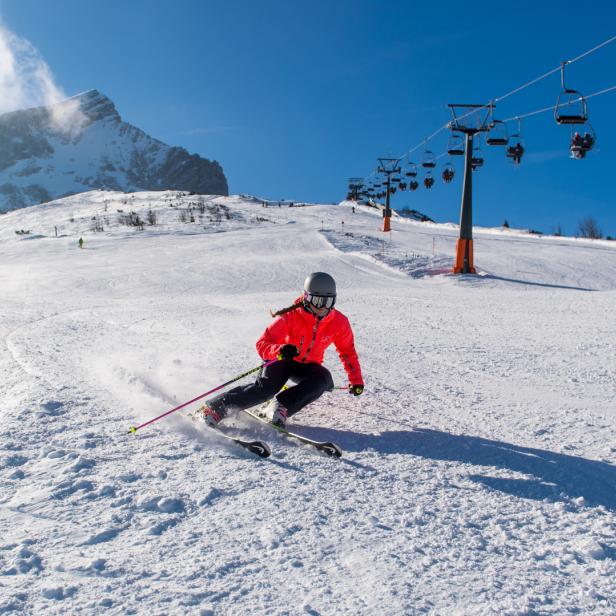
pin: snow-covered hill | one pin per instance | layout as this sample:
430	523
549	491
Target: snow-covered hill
478	475
82	143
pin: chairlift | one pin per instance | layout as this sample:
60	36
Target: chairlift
581	144
392	190
497	134
402	186
477	158
455	147
428	180
413	185
412	170
516	148
515	151
448	173
429	160
571	107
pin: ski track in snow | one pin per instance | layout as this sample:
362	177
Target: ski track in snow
478	474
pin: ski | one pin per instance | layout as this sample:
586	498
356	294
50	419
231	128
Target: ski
328	448
259	448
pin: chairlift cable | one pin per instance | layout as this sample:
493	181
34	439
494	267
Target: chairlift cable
557	69
551	107
537	79
587	53
526	85
610	89
424	142
541	77
518	89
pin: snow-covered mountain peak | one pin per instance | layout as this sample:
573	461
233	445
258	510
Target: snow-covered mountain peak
81	144
95	106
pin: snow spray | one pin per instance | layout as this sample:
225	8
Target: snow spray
134	429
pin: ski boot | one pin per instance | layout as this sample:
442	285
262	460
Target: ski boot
211	417
277	413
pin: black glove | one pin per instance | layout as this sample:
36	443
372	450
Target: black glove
356	390
288	352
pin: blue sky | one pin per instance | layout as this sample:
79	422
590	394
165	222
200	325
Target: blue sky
293	98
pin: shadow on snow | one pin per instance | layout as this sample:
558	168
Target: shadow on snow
554	476
536	284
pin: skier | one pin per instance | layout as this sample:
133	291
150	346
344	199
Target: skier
296	340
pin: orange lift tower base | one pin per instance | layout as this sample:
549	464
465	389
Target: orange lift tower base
469	124
464	258
386	221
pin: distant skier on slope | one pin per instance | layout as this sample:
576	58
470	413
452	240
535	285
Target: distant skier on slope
297	340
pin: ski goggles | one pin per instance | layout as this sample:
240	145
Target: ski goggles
320	301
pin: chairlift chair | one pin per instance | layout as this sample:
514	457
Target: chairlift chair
477	158
428	160
455	147
497	135
412	170
428	180
515	150
392	190
571	107
517	147
402	186
413	185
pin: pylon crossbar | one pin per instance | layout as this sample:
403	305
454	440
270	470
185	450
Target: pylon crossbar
482	124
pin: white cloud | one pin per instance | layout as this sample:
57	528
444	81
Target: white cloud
27	81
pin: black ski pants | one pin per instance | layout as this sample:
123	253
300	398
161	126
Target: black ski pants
311	379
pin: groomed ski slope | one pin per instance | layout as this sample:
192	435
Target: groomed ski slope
478	474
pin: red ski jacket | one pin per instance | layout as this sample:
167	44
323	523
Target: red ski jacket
312	336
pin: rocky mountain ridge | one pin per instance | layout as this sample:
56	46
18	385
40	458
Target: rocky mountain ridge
82	144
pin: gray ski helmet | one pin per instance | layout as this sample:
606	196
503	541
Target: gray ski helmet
320	283
320	290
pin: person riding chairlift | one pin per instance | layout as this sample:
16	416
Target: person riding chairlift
588	141
581	144
515	152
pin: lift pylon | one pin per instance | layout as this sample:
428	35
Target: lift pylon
388	166
469	123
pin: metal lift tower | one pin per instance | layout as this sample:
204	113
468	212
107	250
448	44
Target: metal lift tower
468	122
388	166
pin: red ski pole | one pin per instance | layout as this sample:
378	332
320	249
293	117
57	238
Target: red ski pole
134	429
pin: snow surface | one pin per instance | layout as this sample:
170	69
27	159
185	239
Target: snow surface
478	474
